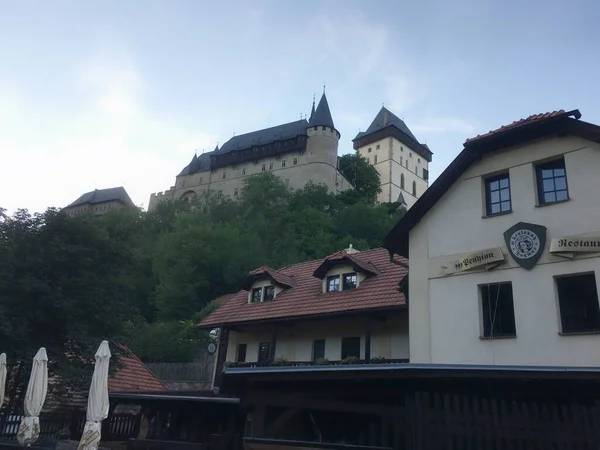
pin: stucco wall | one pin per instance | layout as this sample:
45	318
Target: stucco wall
295	341
94	209
444	310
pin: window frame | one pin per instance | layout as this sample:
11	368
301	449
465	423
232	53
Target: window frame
355	275
566	302
266	289
375	159
488	194
252	295
539	177
316	357
332	278
239	357
264	168
283	163
294	161
487	329
271	346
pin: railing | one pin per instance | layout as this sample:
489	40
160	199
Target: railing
180	372
344	362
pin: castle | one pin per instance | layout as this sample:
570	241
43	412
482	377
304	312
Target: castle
307	150
297	152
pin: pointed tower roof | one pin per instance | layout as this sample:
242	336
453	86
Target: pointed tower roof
216	148
386	118
312	111
322	115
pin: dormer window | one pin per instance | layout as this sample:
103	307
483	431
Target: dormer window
269	293
333	283
349	281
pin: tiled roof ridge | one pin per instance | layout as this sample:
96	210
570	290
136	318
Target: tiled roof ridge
521	122
133	356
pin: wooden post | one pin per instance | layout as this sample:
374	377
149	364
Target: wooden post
368	340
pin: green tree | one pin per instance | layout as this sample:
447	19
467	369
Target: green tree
363	176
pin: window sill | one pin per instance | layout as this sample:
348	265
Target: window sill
489	216
542	205
578	333
495	338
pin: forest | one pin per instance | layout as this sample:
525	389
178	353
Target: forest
145	279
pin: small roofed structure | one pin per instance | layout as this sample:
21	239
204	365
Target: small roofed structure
100	201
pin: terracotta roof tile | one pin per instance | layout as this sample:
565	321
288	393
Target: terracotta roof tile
133	375
276	276
337	257
518	123
307	299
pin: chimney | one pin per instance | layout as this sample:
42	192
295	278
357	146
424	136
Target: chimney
385	118
351	250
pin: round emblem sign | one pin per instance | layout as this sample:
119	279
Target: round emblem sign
212	347
524	244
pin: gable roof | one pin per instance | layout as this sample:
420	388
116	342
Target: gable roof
105	195
265	136
307	300
383	119
265	271
533	127
133	375
344	257
322	115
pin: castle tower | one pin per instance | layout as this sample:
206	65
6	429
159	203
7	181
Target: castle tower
402	162
323	138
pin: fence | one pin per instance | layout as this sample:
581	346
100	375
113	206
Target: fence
70	426
197	372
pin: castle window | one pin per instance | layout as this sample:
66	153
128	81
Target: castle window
401	149
270	166
182	183
235	192
375	159
201	179
369	150
377	147
224	175
316	128
264	167
415	188
283	163
287	181
333	283
323	128
244	171
410	154
295	161
418	160
401	181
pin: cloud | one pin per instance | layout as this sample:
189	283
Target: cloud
109	139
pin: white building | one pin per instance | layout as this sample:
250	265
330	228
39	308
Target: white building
402	162
504	249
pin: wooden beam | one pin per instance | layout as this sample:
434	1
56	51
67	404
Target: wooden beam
281	421
368	340
221	355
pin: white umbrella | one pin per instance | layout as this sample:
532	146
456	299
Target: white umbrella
29	430
97	409
2	377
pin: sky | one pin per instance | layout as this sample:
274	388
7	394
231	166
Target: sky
96	94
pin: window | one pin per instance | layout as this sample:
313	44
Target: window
318	349
235	192
497	193
264	167
265	351
295	161
350	347
269	293
283	163
415	188
243	171
270	166
401	149
410	154
375	159
201	180
552	182
418	160
369	151
425	174
349	281
316	128
578	303
256	295
333	283
224	175
401	160
377	147
323	128
497	310
369	159
401	181
241	353
287	181
182	183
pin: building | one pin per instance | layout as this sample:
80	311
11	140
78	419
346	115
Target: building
402	162
297	152
100	201
505	249
343	308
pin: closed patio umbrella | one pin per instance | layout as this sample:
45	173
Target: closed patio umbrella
97	409
29	429
2	377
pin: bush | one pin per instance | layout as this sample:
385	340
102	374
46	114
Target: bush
350	360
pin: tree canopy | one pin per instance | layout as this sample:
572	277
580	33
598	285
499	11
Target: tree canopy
139	278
